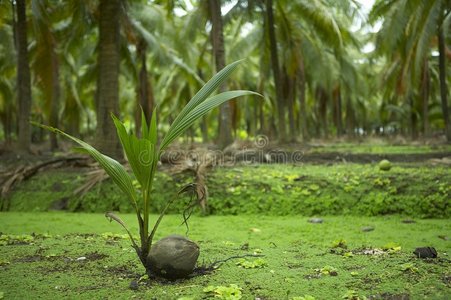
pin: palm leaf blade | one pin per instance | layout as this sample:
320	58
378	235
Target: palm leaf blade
202	109
112	167
200	96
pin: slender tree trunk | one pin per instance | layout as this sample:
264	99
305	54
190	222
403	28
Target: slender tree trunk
145	91
302	104
204	122
321	96
425	97
108	77
56	92
413	117
217	39
350	117
276	71
443	85
7	124
260	118
338	111
23	78
291	95
204	129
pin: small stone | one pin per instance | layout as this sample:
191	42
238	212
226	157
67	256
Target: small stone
315	220
81	258
367	228
425	252
134	285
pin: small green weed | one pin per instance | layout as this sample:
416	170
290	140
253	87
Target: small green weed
409	267
231	292
247	264
306	297
391	247
327	270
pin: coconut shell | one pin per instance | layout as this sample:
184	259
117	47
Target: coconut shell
384	165
173	257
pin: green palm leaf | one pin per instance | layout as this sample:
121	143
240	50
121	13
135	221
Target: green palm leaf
112	167
200	96
181	124
140	152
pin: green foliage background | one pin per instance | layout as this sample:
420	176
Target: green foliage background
350	189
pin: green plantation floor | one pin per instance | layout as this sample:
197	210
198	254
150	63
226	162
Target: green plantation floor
82	256
417	190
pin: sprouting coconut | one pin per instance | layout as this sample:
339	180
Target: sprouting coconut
173	257
384	165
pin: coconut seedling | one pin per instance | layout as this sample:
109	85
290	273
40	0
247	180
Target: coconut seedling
143	154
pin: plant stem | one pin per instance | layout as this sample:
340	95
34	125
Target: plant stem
163	212
145	229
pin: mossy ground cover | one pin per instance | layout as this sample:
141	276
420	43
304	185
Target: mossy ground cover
83	256
419	190
380	148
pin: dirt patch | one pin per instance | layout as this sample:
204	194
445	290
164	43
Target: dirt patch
123	271
95	256
29	259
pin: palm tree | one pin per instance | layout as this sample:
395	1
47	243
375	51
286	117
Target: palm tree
23	77
8	67
442	70
217	40
107	98
313	42
46	63
406	39
270	25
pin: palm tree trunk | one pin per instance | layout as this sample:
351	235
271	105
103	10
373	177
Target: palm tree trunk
338	113
413	117
108	77
425	98
350	117
291	95
54	110
23	78
217	39
276	71
204	129
145	91
303	106
443	86
321	96
336	101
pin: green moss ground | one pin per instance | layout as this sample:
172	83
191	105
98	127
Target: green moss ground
381	148
418	190
45	266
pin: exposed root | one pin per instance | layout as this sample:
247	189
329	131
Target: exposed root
94	177
208	269
197	162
